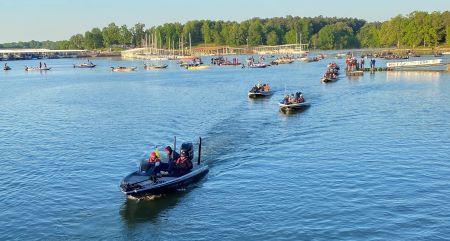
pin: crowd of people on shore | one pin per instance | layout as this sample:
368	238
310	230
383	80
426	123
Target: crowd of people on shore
224	61
353	64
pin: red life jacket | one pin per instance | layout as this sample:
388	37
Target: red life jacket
154	160
184	164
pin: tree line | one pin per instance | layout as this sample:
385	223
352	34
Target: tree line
413	30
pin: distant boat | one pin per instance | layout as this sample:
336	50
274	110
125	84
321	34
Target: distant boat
259	94
155	66
6	68
328	79
37	68
123	69
260	91
308	60
258	65
294	106
197	67
85	65
331	74
283	60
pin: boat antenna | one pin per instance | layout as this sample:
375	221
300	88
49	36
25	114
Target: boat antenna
174	146
199	150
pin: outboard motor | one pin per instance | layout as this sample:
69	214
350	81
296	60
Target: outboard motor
188	150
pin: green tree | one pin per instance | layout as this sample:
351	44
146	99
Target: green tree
111	35
447	37
255	32
93	39
368	36
272	38
138	33
336	36
76	41
125	35
291	37
206	32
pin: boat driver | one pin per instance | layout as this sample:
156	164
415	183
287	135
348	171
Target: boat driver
182	165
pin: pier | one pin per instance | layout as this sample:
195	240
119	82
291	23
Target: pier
23	54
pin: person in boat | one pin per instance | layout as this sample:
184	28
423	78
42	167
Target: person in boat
292	99
182	165
262	87
155	165
154	158
301	98
45	65
171	154
286	100
266	88
40	65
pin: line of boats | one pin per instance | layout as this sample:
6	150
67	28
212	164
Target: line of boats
150	179
192	63
290	103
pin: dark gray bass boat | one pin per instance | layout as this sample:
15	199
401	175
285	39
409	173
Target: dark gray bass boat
141	183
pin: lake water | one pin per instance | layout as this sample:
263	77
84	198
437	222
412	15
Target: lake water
370	160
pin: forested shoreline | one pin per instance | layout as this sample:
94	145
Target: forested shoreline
417	29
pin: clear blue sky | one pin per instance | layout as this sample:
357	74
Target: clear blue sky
24	20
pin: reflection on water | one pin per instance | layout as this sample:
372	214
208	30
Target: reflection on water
419	75
146	209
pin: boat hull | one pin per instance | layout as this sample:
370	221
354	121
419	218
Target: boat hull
165	184
201	67
155	67
256	95
262	66
84	66
294	107
328	80
124	69
37	69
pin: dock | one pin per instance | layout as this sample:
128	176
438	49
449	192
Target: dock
150	52
23	54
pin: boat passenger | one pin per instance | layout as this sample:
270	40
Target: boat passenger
171	156
153	162
153	158
301	99
286	100
182	165
292	99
